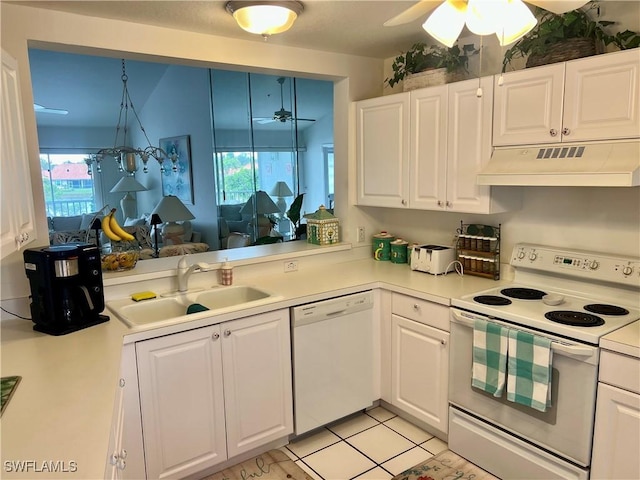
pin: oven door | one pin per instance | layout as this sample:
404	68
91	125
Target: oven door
566	428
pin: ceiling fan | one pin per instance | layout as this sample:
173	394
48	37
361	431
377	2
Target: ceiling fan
423	7
281	115
42	109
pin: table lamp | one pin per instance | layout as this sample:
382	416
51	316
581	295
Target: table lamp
128	203
172	210
261	205
281	190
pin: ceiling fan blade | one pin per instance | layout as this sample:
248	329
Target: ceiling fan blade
558	6
41	109
304	120
412	13
263	120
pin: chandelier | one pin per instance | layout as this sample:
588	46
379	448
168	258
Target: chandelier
125	155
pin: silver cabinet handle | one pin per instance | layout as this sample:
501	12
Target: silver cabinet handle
227	333
121	383
404	202
553	132
443	341
449	204
566	131
416	307
215	336
439	203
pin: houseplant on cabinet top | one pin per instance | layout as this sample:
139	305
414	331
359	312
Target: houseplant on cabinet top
443	65
575	34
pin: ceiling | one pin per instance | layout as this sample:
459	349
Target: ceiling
343	26
90	87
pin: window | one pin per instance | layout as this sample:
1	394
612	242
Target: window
68	185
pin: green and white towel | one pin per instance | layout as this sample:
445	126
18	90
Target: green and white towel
529	370
489	357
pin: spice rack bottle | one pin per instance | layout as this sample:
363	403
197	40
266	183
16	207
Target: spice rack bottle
478	249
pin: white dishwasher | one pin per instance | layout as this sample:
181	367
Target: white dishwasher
332	359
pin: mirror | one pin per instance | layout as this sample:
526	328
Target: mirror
240	132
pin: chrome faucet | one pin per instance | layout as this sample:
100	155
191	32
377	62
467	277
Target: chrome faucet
185	271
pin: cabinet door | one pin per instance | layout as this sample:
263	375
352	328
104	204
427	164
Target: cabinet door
420	371
468	145
17	218
115	457
382	135
616	442
256	354
182	404
428	150
602	97
528	106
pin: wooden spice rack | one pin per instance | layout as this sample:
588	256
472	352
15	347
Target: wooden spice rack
478	249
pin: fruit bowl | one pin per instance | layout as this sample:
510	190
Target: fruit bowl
118	260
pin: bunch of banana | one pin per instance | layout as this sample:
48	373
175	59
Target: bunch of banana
113	230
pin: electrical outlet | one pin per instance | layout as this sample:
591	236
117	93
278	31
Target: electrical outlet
291	266
360	234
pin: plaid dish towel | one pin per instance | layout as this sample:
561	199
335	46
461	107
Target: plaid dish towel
529	370
489	357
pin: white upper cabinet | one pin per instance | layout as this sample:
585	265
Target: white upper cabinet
17	217
602	97
383	150
528	106
594	98
422	149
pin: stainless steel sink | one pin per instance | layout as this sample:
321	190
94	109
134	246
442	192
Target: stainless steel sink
173	309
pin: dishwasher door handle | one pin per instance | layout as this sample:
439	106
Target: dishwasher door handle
337	312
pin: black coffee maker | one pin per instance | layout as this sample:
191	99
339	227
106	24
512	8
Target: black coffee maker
66	287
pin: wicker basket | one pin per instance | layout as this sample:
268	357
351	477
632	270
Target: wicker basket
429	78
568	49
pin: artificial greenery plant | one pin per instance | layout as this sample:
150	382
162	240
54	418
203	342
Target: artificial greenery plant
421	57
553	28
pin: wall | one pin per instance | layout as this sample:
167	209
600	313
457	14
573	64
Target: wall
179	105
355	78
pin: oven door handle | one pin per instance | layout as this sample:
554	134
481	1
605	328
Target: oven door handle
468	320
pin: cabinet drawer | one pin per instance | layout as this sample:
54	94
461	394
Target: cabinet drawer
620	371
421	311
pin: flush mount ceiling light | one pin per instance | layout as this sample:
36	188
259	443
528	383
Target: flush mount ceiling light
265	17
508	19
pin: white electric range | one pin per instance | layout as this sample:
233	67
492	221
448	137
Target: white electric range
591	295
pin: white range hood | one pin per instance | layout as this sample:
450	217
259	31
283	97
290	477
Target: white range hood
602	164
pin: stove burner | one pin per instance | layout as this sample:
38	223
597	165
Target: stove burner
492	300
576	319
605	309
524	293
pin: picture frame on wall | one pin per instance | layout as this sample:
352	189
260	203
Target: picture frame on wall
178	183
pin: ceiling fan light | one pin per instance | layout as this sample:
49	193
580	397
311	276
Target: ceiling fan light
517	22
446	22
482	16
265	18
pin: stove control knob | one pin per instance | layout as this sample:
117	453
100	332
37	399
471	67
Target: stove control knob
594	265
533	256
628	270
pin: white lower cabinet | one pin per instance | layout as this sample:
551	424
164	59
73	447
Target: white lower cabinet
212	393
616	442
420	360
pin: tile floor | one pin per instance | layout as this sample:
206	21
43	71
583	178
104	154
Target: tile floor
375	445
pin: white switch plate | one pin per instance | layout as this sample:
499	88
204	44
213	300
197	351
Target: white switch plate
360	234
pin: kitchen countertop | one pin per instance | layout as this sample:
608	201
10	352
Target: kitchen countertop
61	411
626	340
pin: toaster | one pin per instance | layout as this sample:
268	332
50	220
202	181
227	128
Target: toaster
434	259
